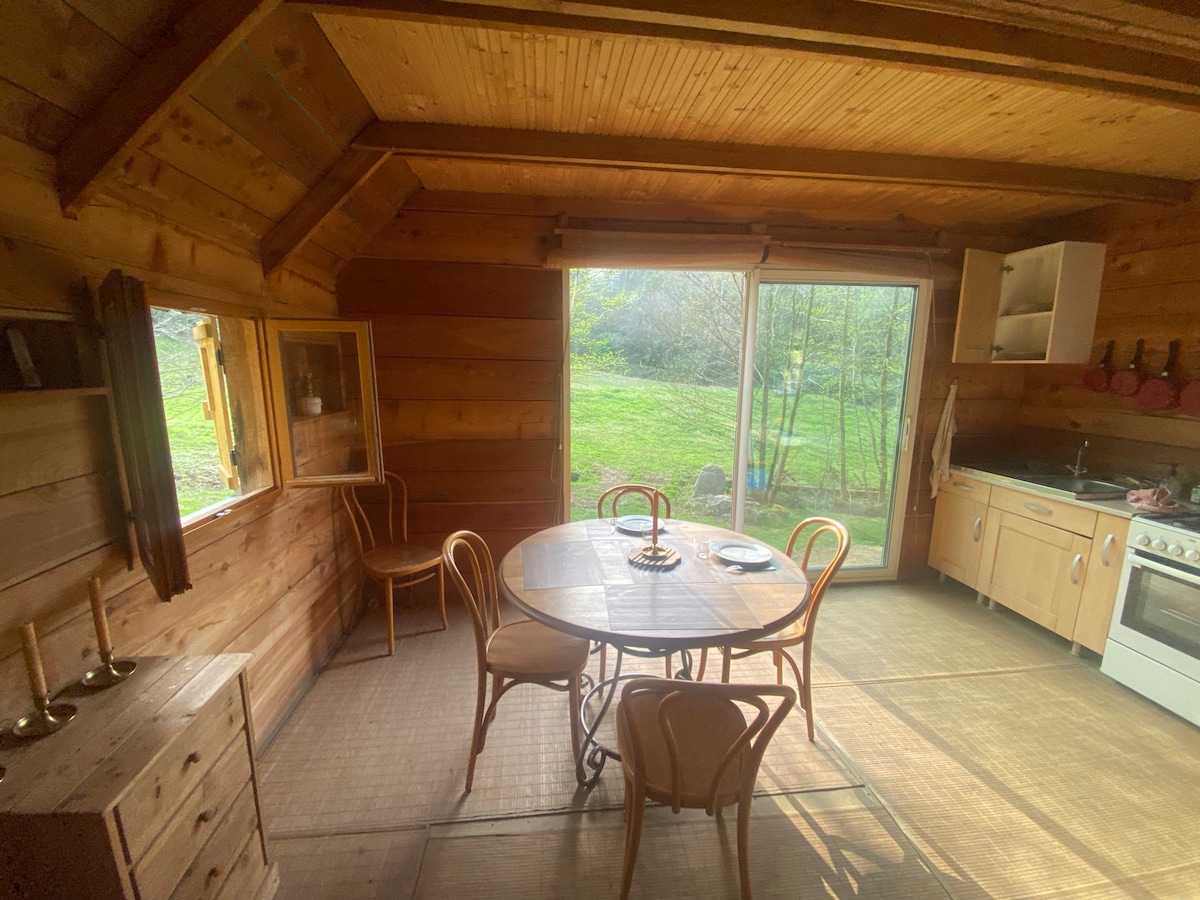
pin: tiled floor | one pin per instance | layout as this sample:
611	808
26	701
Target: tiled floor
960	753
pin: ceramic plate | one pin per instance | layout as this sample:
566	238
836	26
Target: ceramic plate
638	525
742	553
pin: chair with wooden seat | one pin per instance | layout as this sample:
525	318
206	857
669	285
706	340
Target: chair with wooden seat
687	744
606	508
394	563
518	653
800	632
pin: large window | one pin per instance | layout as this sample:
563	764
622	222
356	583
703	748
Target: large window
752	399
212	387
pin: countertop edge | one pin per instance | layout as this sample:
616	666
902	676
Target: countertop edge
1119	508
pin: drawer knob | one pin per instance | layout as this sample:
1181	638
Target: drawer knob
193	757
212	874
204	818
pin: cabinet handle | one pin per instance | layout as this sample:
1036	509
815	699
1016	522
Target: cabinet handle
204	818
1038	508
1108	542
963	486
1075	568
976	529
192	758
211	875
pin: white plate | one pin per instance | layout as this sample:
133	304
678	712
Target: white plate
742	553
638	525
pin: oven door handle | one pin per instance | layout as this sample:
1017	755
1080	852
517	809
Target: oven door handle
1192	578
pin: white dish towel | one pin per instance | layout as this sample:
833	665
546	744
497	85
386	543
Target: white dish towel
941	441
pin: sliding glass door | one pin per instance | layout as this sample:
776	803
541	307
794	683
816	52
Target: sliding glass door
753	400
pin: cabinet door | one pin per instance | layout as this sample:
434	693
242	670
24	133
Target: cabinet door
958	525
323	393
978	304
1101	582
1036	570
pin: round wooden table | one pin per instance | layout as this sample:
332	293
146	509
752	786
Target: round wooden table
577	578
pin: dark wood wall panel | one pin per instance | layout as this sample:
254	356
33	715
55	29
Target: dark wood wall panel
468	357
1150	289
276	578
985	412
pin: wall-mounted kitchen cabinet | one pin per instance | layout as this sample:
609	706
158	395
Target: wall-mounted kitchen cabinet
323	392
1036	305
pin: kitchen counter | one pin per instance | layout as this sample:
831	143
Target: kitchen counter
1120	508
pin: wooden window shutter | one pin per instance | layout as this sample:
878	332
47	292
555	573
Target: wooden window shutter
142	424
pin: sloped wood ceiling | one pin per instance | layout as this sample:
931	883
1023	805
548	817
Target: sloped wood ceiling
298	129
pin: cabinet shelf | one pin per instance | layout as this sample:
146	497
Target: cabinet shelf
1029	316
1037	305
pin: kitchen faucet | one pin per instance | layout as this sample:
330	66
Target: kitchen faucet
1078	469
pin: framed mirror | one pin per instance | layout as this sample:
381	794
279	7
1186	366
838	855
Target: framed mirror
323	385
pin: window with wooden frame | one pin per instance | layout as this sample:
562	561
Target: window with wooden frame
211	373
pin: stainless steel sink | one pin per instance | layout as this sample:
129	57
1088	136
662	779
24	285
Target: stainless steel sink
1079	488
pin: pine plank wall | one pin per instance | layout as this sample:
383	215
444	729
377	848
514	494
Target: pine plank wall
276	579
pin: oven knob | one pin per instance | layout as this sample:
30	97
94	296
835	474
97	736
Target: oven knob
1141	540
1175	550
1192	556
1158	544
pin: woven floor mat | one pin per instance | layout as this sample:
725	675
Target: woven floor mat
922	630
383	742
1050	783
835	844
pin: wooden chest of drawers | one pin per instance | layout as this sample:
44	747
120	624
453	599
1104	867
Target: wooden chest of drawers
150	793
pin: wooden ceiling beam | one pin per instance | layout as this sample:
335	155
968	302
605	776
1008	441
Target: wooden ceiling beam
414	139
355	167
203	36
890	34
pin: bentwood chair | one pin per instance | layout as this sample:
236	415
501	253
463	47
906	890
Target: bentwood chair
687	744
606	508
518	653
800	632
610	498
394	563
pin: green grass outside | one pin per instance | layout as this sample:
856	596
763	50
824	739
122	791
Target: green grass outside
194	453
633	430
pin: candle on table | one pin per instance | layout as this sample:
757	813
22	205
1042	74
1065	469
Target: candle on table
100	618
33	663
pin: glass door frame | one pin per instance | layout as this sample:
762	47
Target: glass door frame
755	276
905	450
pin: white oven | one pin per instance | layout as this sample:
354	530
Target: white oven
1153	643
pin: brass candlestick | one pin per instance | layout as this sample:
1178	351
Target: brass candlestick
109	672
653	555
47	718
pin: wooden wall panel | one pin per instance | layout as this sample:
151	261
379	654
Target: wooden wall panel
468	358
1151	281
275	578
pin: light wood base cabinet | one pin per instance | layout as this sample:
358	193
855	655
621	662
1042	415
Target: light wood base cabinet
1036	570
1101	582
149	793
959	520
1054	562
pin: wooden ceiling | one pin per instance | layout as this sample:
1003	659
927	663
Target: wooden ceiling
297	130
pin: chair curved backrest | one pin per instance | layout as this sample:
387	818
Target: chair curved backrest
648	491
395	491
816	592
712	755
469	562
